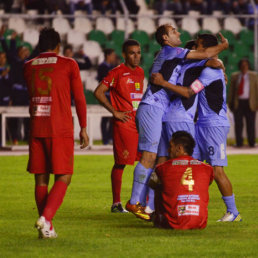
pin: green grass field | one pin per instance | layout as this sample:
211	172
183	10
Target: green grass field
87	228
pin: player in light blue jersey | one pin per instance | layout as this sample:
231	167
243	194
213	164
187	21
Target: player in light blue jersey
212	126
180	112
153	105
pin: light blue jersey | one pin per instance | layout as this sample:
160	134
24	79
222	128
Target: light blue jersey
156	99
182	109
165	63
212	125
212	107
180	113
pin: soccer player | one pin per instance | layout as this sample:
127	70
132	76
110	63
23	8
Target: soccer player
153	105
51	79
212	125
182	196
181	111
125	83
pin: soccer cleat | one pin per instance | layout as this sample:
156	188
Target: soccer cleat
138	211
44	230
230	217
118	208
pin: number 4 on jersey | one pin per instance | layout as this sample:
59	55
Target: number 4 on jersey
187	179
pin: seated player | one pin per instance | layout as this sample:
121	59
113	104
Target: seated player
181	197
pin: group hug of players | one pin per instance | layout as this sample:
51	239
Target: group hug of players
156	128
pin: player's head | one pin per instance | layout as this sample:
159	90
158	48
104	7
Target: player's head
131	53
206	40
110	55
244	65
190	44
49	40
181	143
166	34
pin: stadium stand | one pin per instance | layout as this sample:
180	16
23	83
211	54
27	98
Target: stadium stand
94	33
83	24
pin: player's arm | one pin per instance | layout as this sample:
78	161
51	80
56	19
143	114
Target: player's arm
158	79
210	51
80	103
101	97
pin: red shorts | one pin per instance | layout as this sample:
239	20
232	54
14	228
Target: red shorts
51	155
125	145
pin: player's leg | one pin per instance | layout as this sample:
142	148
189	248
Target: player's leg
149	125
60	154
225	188
39	166
214	140
56	196
116	182
41	191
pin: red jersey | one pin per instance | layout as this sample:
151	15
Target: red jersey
126	87
51	79
185	196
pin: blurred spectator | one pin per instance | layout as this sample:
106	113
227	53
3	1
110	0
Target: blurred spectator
38	5
83	5
252	11
82	60
57	5
105	5
5	85
243	101
16	57
197	5
177	6
109	63
241	7
219	5
6	5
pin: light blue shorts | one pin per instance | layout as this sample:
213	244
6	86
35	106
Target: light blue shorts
149	126
212	143
168	128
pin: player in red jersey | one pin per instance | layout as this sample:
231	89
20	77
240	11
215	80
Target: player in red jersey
181	200
125	83
51	79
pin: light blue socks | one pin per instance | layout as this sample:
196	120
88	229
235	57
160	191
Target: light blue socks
140	184
230	203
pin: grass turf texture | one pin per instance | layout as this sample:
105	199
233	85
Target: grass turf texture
87	228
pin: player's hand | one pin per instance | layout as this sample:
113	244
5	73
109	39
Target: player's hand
157	78
224	41
84	138
122	115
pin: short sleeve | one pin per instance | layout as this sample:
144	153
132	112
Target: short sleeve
111	79
207	76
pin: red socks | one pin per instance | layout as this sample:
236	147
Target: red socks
41	193
116	180
54	200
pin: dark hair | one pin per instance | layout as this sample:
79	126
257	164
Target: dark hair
244	60
190	44
108	51
208	40
128	43
68	46
48	39
161	30
185	139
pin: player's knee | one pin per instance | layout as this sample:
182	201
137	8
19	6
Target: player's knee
218	172
148	159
